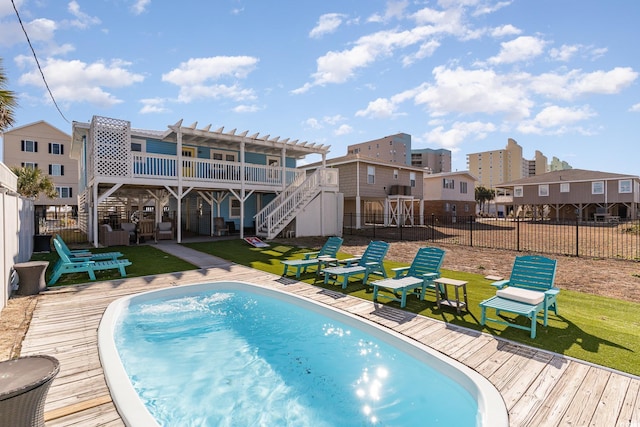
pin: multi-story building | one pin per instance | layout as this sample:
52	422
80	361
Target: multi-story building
393	149
534	167
492	168
558	165
436	161
449	194
40	145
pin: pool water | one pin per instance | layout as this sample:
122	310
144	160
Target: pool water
234	357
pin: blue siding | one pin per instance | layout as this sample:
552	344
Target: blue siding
161	147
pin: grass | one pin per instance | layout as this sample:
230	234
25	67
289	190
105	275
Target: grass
588	327
146	260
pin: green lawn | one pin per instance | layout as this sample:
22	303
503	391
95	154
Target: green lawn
588	327
146	260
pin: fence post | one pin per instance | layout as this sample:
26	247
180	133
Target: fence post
518	233
433	223
471	230
577	238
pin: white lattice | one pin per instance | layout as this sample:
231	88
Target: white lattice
110	146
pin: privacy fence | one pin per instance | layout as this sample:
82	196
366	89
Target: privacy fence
601	239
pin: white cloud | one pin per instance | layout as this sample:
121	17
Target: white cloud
520	49
458	133
6	8
556	120
476	91
564	53
153	105
381	108
39	30
505	30
198	70
576	83
82	19
313	123
327	23
635	108
140	6
395	9
77	81
343	130
246	109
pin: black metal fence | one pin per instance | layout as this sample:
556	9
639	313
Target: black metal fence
603	239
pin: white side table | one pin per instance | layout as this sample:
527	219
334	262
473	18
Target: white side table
445	300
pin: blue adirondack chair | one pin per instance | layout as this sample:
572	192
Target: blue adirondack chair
67	265
419	275
528	292
83	253
314	259
369	263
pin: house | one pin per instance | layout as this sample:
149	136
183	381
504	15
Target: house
578	194
41	145
376	191
449	194
189	176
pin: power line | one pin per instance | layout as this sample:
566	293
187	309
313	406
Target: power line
38	62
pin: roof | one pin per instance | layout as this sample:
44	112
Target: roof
567	175
39	122
448	174
353	158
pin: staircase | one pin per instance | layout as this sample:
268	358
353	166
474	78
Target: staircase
283	209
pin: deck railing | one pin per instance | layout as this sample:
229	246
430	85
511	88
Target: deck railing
162	167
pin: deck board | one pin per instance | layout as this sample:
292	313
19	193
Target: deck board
539	388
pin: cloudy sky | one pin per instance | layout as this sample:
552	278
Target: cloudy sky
559	76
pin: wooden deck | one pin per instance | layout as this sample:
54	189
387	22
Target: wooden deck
539	388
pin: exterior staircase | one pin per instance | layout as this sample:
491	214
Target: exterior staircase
279	213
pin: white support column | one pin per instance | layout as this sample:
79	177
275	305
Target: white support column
358	210
94	203
179	193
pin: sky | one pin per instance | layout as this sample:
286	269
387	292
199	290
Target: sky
558	76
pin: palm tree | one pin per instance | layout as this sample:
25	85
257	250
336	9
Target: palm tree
484	195
32	182
8	102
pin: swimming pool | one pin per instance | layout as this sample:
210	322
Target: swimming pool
230	353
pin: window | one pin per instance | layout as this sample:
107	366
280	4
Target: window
412	179
517	191
447	207
64	192
463	187
624	186
56	170
448	183
565	187
466	207
371	174
138	145
30	165
234	208
395	174
55	148
597	187
231	157
543	190
30	146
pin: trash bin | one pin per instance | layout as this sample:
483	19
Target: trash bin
23	389
42	243
31	280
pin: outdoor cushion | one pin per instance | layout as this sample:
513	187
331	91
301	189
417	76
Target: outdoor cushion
164	226
522	295
108	228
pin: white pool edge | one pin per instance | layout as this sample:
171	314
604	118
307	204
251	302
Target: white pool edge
491	407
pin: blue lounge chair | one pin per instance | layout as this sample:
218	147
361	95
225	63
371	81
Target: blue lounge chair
314	259
83	253
369	263
528	292
419	275
66	265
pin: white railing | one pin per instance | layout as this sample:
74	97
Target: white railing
277	214
8	179
158	166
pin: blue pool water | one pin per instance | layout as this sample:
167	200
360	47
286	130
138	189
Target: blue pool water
230	356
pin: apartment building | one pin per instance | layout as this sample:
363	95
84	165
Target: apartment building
495	167
436	161
392	148
41	145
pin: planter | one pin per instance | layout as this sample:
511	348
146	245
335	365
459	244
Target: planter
42	243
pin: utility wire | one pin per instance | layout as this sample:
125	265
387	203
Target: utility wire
38	62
